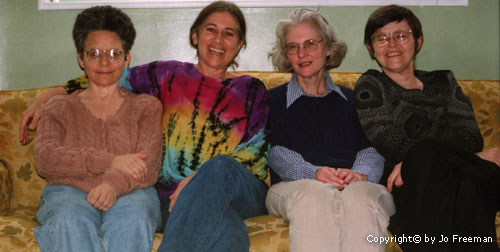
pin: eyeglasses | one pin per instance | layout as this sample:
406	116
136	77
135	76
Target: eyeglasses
400	36
309	46
114	55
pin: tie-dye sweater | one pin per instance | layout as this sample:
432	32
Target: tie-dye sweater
202	117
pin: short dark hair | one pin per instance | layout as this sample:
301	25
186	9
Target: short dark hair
220	6
103	18
388	14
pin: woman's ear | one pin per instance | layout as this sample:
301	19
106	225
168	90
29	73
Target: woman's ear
127	59
420	41
240	44
194	37
80	61
370	51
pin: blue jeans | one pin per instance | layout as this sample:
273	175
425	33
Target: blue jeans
210	211
69	223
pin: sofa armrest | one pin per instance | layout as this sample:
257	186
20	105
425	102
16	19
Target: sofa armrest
5	187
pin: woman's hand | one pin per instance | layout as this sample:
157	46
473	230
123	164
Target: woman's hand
340	177
395	178
131	164
30	117
492	155
175	195
327	174
102	197
350	176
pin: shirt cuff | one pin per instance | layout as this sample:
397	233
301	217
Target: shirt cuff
370	163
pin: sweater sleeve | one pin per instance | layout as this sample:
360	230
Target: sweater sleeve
253	150
460	118
374	108
80	82
147	78
54	159
148	110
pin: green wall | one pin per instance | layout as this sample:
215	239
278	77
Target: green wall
36	48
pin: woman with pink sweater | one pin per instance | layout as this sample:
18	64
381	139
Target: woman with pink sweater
99	149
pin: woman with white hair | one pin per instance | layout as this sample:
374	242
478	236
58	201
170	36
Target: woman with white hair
329	169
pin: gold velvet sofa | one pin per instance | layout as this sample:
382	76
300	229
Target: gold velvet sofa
20	186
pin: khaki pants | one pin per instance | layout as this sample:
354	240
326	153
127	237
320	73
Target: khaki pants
323	218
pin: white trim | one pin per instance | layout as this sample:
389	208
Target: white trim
57	5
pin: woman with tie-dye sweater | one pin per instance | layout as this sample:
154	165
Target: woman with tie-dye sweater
215	143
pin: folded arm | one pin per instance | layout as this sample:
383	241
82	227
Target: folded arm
53	158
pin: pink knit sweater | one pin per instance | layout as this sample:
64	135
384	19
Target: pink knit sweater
75	148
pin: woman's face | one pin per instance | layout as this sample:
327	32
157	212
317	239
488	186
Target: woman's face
218	41
102	70
396	57
306	63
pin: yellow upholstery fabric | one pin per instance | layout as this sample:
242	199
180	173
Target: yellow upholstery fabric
20	185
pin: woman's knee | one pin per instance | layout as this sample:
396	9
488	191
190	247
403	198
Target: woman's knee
140	204
304	194
374	196
220	164
68	216
221	169
65	204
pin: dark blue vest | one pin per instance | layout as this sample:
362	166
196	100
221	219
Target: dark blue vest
324	130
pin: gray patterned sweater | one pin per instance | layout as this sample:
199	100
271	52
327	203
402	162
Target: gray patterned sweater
395	118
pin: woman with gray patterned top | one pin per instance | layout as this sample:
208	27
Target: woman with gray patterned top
425	128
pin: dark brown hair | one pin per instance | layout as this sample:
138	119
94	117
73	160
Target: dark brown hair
388	14
103	18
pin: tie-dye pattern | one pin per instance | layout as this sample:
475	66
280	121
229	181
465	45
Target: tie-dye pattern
205	117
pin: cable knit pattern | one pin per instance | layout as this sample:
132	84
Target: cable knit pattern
395	118
75	148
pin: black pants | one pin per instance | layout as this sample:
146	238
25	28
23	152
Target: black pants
448	200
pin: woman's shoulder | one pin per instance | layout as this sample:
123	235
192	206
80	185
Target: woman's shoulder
245	84
57	105
144	101
371	76
436	75
372	80
248	79
63	100
163	65
278	91
373	73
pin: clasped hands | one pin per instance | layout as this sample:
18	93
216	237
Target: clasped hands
339	177
103	196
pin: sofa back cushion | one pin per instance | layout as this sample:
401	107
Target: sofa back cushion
485	98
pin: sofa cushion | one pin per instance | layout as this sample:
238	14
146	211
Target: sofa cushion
5	186
16	230
26	184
